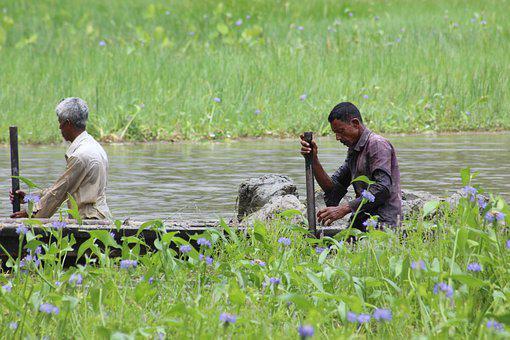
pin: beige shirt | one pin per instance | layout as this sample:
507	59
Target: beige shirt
85	179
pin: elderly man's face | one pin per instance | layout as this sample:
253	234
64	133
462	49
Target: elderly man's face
347	133
65	127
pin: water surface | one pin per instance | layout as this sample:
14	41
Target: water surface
200	180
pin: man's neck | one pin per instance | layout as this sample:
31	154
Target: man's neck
76	134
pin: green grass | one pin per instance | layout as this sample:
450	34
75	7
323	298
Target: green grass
419	71
187	295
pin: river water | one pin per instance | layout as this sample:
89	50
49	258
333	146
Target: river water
200	180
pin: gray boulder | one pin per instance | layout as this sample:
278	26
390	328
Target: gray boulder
254	193
277	205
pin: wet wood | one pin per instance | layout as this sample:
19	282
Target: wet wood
310	187
13	134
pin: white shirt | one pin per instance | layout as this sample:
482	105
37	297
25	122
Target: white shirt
85	179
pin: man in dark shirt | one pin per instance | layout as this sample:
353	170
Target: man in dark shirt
369	154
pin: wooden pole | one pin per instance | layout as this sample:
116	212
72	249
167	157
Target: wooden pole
13	134
310	187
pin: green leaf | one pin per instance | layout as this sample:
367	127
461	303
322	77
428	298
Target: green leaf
315	280
28	182
430	207
222	28
74	211
469	280
363	178
301	301
465	175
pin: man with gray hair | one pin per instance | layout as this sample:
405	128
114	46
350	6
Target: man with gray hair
86	174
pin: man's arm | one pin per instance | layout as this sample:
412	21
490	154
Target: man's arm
68	182
319	173
380	189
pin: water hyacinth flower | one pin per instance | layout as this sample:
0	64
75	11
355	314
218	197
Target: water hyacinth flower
48	308
112	234
507	244
443	287
185	249
31	198
128	264
257	111
228	318
368	196
284	240
76	279
364	318
491	324
351	14
418	265
481	202
239	22
258	263
382	314
248	17
483	22
474	267
151	280
303	97
21	229
305	331
300	28
58	224
208	260
102	43
468	113
13	325
319	250
398	40
7	287
217	100
352	317
58	283
365	96
370	223
274	280
494	216
469	192
204	242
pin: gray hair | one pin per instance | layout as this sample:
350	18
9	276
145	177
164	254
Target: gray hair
75	110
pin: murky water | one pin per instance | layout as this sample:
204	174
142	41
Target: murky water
200	181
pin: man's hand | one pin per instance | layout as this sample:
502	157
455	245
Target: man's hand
20	214
329	215
306	148
20	193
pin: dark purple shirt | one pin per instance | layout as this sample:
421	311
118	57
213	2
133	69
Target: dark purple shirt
374	157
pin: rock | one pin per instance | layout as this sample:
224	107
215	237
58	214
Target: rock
277	205
413	201
254	193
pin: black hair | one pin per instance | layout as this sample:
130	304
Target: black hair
345	111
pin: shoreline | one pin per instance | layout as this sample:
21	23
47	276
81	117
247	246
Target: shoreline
270	137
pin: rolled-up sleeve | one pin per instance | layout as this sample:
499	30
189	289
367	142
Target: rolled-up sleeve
380	189
68	182
341	179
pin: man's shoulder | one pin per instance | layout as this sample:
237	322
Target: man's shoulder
89	149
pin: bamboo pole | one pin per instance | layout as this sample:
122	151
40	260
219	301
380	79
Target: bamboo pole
13	134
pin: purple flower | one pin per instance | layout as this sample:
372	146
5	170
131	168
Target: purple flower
319	250
248	17
481	202
128	264
382	314
185	249
305	331
300	28
151	280
48	308
31	198
469	192
455	24
368	196
352	317
167	12
474	267
204	242
418	265
370	223
58	283
494	216
38	250
351	14
443	287
376	18
468	113
76	279
112	234
364	318
59	224
217	100
102	43
239	22
21	229
398	40
13	325
228	318
284	240
365	96
258	262
507	244
274	280
7	287
491	324
303	97
209	260
257	111
191	33
473	20
483	22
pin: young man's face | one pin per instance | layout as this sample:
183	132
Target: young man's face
346	133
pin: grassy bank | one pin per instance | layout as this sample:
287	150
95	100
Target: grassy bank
151	70
447	279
